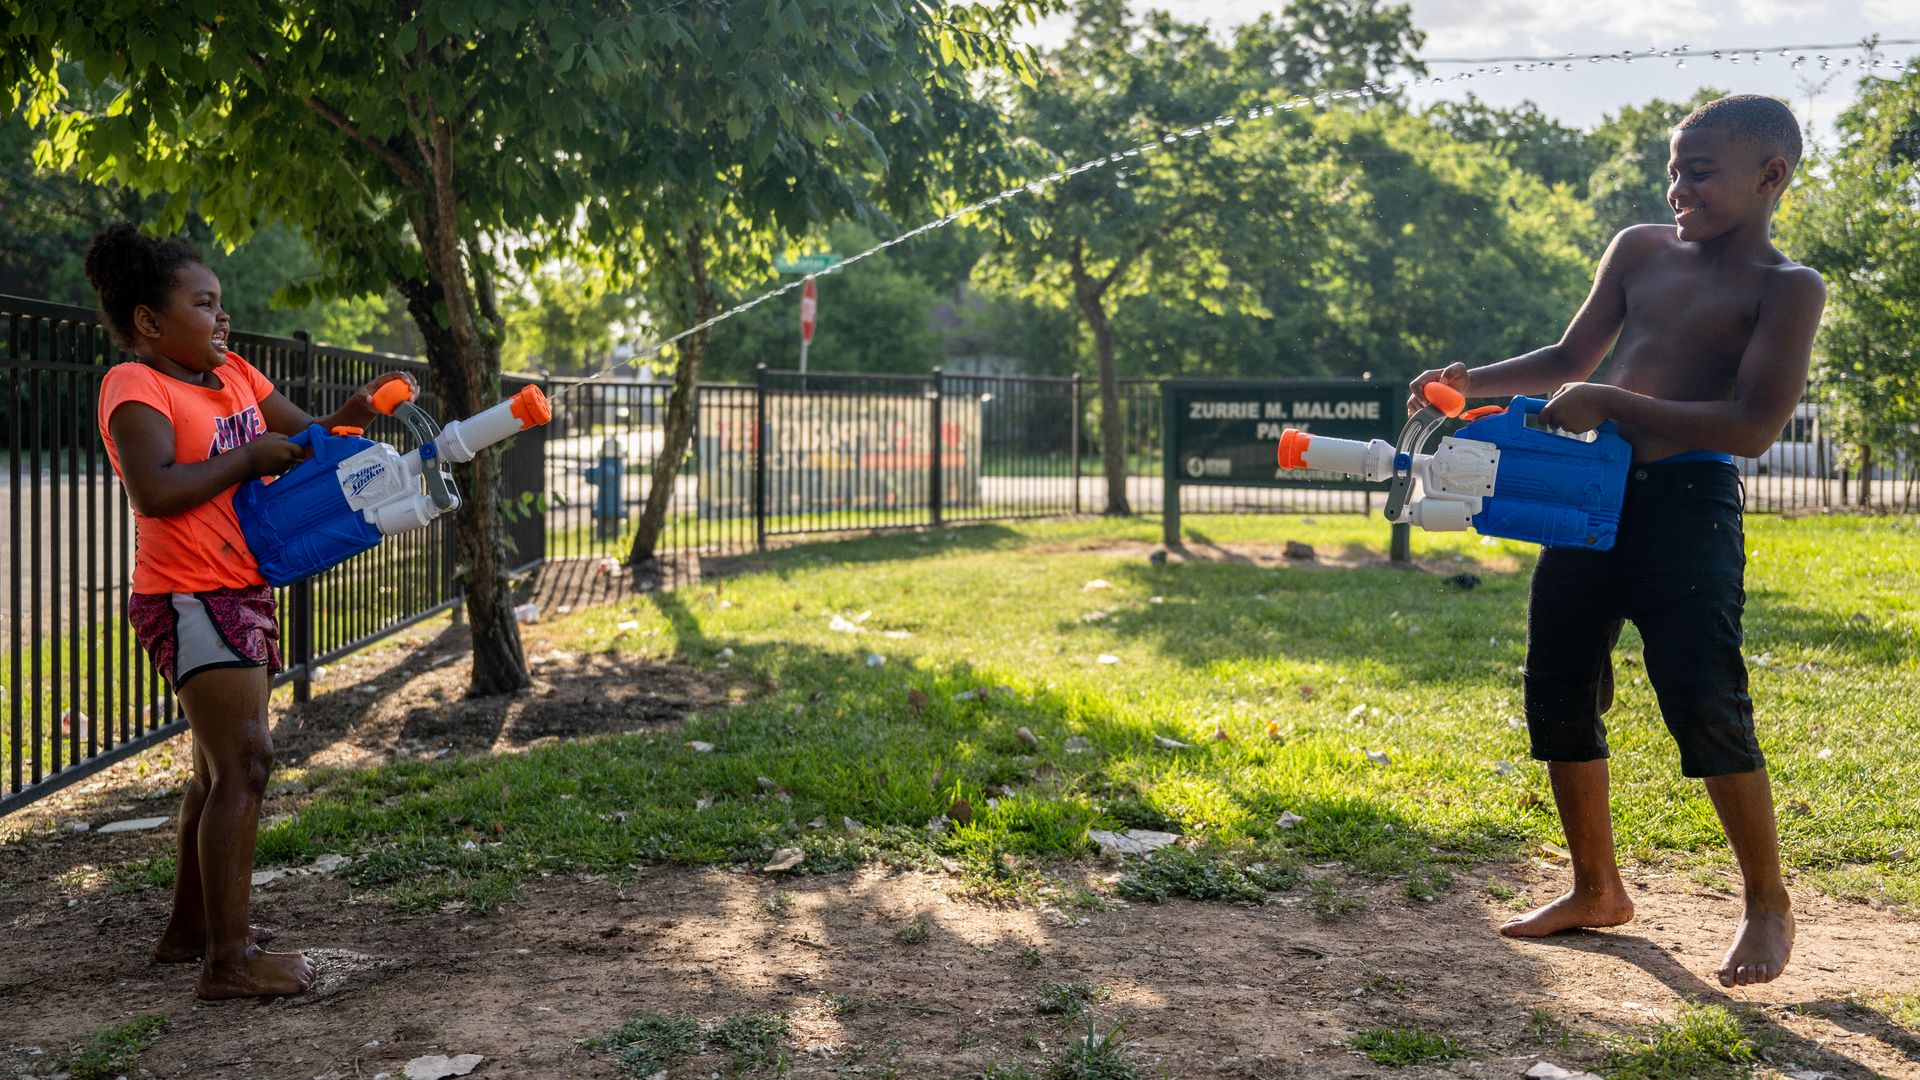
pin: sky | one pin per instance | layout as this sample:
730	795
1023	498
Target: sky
1583	96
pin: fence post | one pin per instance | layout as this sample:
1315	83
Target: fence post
935	493
1169	475
1074	430
301	600
760	457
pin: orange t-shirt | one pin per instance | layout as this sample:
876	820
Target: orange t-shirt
201	548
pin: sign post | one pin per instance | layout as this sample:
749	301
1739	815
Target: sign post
809	310
817	263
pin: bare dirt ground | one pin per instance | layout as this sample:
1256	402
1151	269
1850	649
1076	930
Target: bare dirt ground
1208	990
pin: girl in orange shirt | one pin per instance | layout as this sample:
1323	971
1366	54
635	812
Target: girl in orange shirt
183	426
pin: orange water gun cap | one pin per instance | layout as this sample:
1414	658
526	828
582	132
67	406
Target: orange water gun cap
391	394
1445	398
1293	448
530	405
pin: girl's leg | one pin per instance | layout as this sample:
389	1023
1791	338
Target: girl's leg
227	709
185	938
186	932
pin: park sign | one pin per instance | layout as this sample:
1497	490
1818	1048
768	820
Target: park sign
805	264
1227	432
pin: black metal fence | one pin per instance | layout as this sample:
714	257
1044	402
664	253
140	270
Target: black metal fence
78	692
787	456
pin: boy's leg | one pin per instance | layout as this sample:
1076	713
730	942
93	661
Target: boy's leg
1764	941
1599	897
185	938
227	709
1690	619
1572	626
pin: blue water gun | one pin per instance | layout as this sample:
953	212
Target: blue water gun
352	492
1506	473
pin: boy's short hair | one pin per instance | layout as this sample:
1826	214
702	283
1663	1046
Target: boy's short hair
1754	119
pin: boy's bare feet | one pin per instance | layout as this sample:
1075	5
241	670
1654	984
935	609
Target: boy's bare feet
177	946
1572	911
258	973
1761	945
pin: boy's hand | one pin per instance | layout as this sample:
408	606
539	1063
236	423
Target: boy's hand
358	410
272	454
1454	375
1579	407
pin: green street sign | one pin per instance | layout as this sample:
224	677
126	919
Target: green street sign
805	264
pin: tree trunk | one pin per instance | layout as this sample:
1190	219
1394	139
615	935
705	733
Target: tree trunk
1866	475
682	404
466	384
1113	450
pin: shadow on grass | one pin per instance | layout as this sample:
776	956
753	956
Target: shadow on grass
1414	625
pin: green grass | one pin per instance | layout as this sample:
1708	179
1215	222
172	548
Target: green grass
1304	671
1704	1042
1095	1055
1406	1046
112	1051
658	1041
1066	1000
1205	875
1902	1009
654	1042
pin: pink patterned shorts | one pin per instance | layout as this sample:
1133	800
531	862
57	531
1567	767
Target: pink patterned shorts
187	633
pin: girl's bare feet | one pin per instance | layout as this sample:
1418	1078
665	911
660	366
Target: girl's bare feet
177	946
1761	945
257	973
1572	911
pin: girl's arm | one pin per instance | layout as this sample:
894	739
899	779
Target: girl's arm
287	418
159	486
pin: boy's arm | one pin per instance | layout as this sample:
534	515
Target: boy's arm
159	486
1579	351
1772	376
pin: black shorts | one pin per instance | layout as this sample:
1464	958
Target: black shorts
1677	570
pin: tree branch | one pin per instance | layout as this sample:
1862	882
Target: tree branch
401	167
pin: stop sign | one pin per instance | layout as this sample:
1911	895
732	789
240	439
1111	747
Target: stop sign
809	306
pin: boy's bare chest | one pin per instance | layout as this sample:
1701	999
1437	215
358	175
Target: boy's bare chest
1678	311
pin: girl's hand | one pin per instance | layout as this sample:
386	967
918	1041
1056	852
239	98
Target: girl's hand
358	411
1579	407
272	454
1454	375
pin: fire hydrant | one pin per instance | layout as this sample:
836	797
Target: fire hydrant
609	505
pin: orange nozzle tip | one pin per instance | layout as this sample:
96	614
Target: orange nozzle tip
1445	398
347	429
1484	410
1293	448
530	405
391	394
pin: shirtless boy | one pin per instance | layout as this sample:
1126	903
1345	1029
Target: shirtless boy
1711	329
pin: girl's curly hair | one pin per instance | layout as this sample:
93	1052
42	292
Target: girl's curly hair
128	268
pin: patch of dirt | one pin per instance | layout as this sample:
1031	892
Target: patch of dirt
406	700
1208	990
